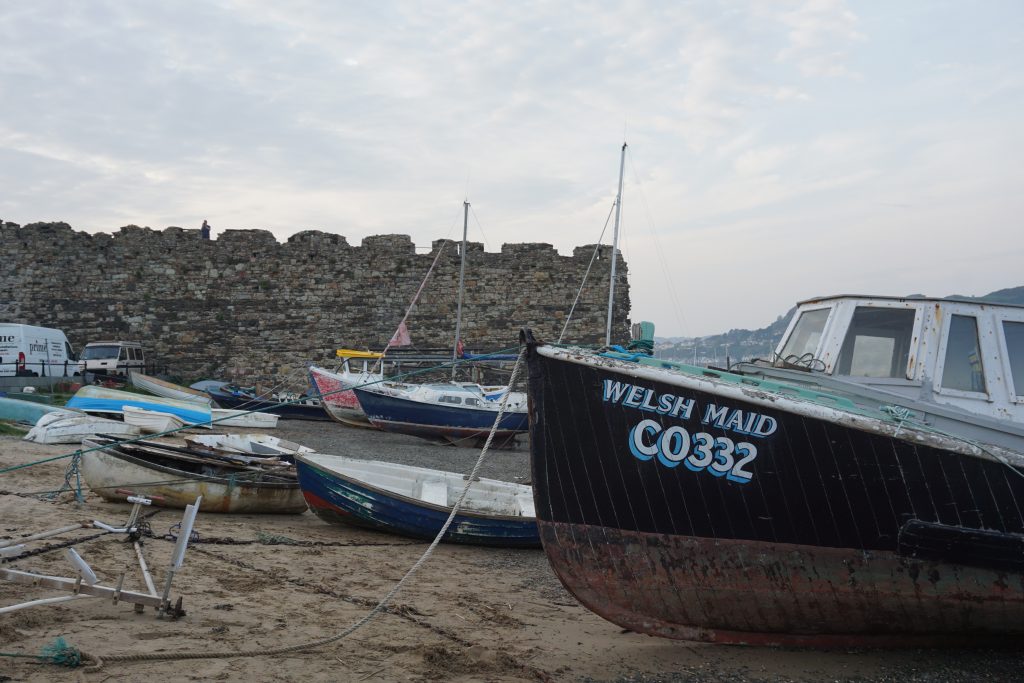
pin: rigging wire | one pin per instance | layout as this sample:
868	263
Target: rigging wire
677	308
593	257
487	244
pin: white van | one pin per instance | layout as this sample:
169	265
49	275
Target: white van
29	351
113	357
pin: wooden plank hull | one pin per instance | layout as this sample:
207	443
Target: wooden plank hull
802	547
107	470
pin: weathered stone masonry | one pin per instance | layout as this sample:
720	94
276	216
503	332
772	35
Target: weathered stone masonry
247	307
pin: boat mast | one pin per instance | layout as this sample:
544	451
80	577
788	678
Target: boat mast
615	248
462	279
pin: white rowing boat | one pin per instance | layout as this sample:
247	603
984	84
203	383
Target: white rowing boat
227	417
159	387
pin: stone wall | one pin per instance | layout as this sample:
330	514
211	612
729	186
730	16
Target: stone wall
245	307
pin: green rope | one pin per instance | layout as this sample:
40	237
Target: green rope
58	652
642	345
274	539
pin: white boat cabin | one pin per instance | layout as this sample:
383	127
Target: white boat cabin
946	351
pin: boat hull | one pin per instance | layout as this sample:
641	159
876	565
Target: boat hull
397	414
806	551
93	399
339	400
106	471
341	500
16	410
226	417
159	387
73	427
293	411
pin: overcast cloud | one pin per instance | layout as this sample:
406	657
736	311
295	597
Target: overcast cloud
778	150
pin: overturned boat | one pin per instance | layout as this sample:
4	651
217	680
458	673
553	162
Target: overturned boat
103	401
862	487
416	501
178	475
71	427
160	387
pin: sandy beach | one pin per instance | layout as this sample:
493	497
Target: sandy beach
469	614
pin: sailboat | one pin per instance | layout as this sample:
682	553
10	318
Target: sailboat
863	488
335	386
454	412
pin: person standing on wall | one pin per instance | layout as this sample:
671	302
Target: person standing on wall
205	230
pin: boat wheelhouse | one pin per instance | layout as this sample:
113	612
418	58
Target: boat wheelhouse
947	351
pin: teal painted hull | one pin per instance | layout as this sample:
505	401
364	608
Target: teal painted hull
16	410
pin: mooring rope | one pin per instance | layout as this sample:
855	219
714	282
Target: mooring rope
98	661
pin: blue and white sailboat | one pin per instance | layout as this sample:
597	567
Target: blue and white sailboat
459	412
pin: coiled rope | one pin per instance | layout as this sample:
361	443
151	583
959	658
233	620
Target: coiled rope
98	661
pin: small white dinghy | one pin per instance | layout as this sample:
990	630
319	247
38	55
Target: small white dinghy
68	427
152	421
227	417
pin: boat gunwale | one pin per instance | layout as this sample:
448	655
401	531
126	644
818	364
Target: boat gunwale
756	393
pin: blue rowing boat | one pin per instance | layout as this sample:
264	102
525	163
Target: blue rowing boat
416	501
93	399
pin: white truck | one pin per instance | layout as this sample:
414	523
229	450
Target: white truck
113	357
30	351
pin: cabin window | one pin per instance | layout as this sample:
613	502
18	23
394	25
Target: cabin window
877	343
806	333
123	354
449	399
1014	334
962	368
472	402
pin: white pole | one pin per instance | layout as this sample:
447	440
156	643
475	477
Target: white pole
43	601
462	279
615	247
43	534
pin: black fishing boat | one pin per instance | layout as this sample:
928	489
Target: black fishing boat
865	486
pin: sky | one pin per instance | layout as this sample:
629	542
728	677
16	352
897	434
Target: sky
777	150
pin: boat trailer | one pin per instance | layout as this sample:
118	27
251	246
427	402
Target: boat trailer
86	583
